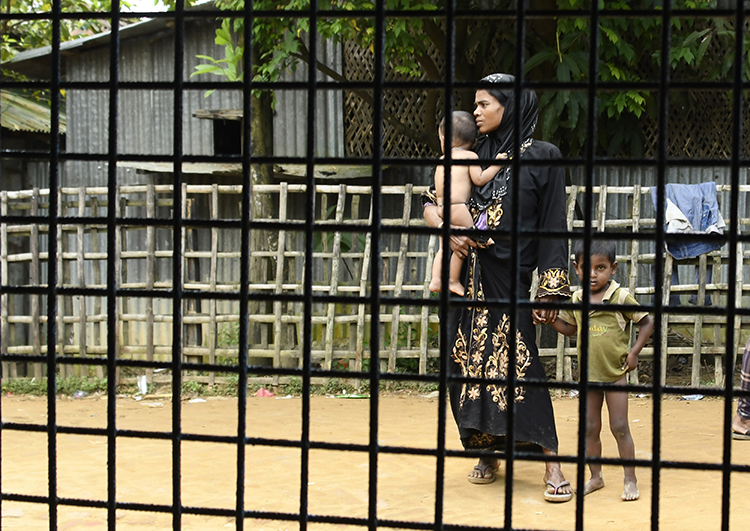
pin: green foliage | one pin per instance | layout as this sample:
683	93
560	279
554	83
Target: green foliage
231	66
283	41
629	51
65	386
229	336
191	387
20	35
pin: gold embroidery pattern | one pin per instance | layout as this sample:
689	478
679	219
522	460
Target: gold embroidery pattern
554	282
494	213
474	287
483	440
460	356
472	264
497	364
471	356
429	197
476	355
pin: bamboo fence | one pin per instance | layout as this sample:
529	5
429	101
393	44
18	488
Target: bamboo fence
209	234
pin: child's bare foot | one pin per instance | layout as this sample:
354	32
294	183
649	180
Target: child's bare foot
435	285
594	484
456	287
630	492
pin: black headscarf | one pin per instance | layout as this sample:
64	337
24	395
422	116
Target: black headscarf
501	140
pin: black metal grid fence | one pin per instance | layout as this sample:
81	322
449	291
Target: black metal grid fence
591	85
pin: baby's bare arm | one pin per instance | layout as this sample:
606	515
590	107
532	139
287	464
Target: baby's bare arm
489	173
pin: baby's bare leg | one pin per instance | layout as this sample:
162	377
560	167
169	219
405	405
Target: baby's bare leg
436	284
460	216
454	282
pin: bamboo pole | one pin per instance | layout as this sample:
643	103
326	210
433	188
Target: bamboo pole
695	373
399	282
212	276
8	369
336	260
666	291
361	310
34	247
150	274
64	306
97	335
80	266
635	214
278	289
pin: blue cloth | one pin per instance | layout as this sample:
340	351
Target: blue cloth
699	207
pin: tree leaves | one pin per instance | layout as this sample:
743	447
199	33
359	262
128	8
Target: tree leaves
628	51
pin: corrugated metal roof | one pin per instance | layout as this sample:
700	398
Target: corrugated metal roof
19	113
36	63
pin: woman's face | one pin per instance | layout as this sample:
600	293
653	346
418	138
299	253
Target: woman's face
488	112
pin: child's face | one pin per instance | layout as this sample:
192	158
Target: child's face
601	272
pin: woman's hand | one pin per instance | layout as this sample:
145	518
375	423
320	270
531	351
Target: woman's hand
460	244
545	315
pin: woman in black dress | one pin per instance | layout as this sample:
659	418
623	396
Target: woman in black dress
480	335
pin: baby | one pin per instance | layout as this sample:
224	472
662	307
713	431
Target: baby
462	179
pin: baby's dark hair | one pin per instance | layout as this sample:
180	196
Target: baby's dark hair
598	248
464	127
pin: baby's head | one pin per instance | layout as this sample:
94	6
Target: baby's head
464	130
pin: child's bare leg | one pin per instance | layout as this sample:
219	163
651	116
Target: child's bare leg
593	440
437	268
617	404
454	282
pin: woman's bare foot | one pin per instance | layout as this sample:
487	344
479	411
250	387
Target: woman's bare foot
558	488
484	471
594	484
630	492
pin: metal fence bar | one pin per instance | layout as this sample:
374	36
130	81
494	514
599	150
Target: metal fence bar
135	304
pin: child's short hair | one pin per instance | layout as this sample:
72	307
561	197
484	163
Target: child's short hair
598	248
464	127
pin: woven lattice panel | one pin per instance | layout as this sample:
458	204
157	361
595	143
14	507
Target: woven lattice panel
700	126
700	121
406	106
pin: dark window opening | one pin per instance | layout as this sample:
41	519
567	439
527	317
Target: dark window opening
227	137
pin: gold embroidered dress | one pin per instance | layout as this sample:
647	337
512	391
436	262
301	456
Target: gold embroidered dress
482	333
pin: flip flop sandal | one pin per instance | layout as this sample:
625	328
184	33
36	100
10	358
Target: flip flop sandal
739	436
554	496
483	479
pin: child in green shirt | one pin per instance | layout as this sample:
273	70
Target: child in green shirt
609	358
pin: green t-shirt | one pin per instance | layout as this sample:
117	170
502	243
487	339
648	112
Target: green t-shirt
609	340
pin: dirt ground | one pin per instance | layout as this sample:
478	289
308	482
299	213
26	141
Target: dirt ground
338	481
